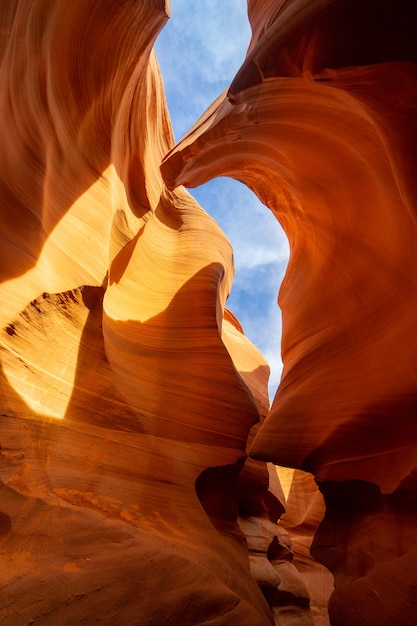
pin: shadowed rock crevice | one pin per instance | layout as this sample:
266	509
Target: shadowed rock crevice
368	540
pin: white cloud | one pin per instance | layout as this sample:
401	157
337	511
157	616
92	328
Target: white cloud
199	51
256	235
217	33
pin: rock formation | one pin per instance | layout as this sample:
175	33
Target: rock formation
320	122
123	417
129	394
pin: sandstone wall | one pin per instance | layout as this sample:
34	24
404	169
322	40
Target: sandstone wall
320	122
129	394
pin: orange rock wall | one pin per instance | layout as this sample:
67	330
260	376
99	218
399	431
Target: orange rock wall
130	395
124	418
320	122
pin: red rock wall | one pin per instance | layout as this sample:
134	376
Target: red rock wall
320	121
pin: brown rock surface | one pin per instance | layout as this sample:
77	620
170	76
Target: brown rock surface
320	122
124	419
129	393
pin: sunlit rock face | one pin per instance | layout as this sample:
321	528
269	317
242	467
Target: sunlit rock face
128	391
320	122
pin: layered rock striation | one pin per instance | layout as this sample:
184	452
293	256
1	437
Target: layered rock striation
320	123
129	393
124	415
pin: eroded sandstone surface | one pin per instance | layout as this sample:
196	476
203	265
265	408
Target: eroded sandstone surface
320	122
130	396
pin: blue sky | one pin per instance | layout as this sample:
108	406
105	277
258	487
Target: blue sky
199	51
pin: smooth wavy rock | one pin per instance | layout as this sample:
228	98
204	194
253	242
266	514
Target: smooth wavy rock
128	391
320	122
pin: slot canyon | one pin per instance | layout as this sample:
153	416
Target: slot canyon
146	479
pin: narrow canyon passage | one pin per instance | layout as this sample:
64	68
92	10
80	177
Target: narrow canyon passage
138	456
198	60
